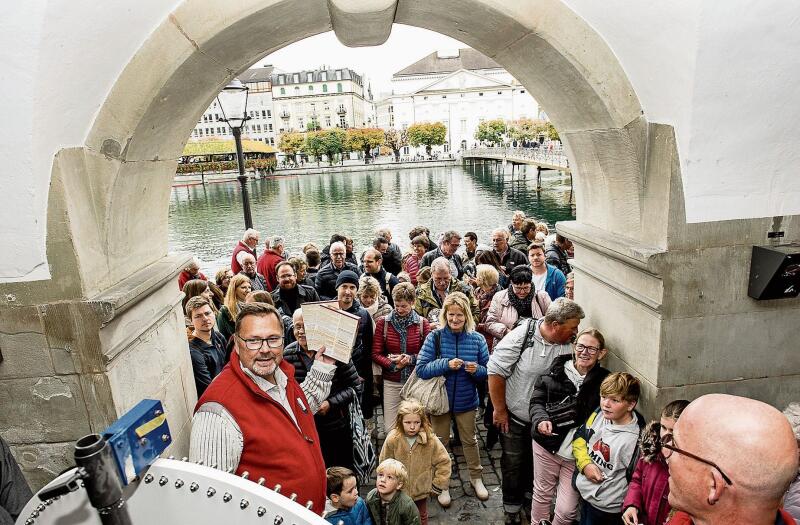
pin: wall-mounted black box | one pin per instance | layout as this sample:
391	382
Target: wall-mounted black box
775	272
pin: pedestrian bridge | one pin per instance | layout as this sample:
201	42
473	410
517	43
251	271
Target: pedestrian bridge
539	157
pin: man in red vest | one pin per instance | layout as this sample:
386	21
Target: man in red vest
730	459
255	418
248	244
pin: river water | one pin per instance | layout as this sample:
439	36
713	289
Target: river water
208	220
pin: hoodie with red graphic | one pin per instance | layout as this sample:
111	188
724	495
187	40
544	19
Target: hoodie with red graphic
612	448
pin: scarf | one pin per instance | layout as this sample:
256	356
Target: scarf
401	325
522	306
573	374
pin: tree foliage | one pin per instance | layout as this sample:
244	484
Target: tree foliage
525	129
427	134
491	131
333	142
291	142
364	139
314	145
396	140
551	131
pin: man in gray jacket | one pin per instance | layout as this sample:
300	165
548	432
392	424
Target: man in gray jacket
513	369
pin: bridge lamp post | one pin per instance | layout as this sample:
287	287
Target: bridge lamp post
232	102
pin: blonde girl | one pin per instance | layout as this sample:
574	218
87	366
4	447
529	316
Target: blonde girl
413	443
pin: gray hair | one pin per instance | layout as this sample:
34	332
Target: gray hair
440	263
504	231
338	244
563	309
249	233
242	255
450	234
276	240
193	263
792	413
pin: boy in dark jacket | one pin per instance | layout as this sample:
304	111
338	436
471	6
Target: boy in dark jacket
387	504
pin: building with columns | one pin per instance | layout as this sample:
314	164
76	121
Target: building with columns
330	97
460	88
683	160
261	125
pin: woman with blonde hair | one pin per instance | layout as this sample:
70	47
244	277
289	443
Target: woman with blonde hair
238	289
460	354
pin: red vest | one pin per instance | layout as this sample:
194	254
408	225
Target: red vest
274	448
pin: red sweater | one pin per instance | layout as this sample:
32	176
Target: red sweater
266	266
235	266
274	448
381	349
648	491
184	277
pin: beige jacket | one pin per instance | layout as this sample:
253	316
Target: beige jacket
427	463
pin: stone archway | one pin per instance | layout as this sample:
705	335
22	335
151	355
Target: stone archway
108	324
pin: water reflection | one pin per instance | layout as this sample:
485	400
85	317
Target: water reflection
207	220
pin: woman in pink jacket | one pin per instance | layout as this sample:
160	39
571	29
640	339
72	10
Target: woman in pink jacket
520	300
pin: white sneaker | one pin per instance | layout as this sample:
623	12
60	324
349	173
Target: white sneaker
444	498
480	491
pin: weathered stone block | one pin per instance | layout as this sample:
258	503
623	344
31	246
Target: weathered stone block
41	462
44	409
23	344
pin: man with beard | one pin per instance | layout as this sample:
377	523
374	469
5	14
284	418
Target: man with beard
256	402
289	295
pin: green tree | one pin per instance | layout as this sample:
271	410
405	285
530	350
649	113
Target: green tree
313	125
333	142
427	134
364	139
291	143
396	140
491	131
551	131
314	145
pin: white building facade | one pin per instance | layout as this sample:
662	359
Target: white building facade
261	125
330	97
460	89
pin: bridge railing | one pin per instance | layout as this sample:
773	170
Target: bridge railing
542	154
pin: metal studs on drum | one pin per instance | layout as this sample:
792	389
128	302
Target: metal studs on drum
261	481
309	504
245	475
193	487
261	511
148	478
163	480
244	504
178	483
227	497
293	497
184	458
211	491
277	488
170	457
278	520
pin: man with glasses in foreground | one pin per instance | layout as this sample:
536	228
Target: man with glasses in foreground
255	418
730	460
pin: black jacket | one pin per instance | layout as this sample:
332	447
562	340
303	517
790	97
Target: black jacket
305	294
512	259
325	257
386	285
340	397
556	256
325	282
392	260
362	355
429	257
554	387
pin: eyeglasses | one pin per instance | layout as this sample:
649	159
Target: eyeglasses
667	443
525	286
591	350
257	343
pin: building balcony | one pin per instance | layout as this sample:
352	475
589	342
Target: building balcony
284	115
341	110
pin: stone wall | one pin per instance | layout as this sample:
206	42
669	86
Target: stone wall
72	367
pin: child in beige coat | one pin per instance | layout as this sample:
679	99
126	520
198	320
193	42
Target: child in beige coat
413	443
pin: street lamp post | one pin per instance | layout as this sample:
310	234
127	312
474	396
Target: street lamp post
232	102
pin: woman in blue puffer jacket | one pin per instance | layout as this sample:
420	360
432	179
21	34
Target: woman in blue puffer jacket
463	355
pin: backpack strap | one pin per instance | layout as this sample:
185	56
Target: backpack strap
528	335
437	343
421	326
385	326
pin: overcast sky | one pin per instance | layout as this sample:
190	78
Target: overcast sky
405	46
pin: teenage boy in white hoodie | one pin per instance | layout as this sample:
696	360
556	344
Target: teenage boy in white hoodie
604	448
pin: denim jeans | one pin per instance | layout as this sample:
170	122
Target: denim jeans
516	465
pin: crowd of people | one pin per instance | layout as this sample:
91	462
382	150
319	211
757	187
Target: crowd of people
497	328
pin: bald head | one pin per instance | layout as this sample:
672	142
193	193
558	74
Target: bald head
750	441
